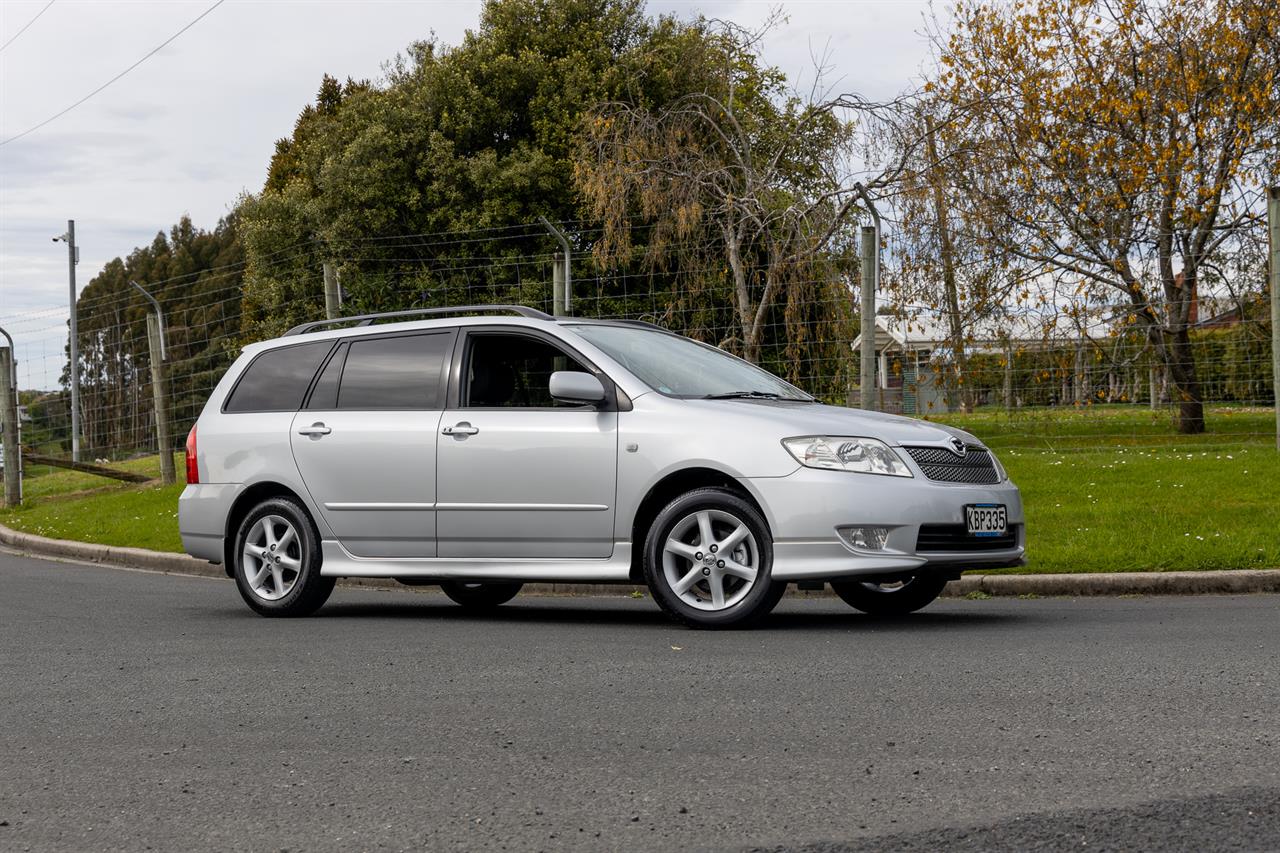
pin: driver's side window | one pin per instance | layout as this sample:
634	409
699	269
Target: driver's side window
513	371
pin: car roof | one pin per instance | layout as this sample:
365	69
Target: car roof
516	322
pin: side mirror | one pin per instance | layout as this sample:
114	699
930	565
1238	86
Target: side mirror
572	386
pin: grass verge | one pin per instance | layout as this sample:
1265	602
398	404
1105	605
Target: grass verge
1109	489
64	504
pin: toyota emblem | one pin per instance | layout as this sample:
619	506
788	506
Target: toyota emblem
957	446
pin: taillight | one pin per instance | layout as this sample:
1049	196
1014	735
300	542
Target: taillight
193	469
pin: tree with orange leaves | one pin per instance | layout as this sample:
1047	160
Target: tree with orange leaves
1122	142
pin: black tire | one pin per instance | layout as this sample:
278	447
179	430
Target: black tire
891	600
480	596
757	601
305	588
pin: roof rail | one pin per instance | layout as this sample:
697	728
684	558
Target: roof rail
368	319
645	324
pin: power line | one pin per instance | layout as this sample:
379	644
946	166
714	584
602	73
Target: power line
153	52
28	26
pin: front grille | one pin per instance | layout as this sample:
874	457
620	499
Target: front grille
956	538
939	463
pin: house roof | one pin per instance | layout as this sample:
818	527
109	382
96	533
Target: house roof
921	332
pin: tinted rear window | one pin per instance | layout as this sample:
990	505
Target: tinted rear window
277	379
404	372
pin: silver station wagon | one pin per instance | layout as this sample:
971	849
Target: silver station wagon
482	448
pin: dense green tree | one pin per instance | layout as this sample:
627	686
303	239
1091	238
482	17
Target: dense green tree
420	190
196	276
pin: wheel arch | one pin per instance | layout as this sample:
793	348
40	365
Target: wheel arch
245	501
671	486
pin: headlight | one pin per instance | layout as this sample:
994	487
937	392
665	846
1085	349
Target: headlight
864	455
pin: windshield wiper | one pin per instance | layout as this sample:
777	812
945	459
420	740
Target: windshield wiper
755	395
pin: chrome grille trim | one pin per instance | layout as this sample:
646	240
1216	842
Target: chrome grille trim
942	465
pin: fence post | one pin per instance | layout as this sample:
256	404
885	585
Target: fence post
557	290
9	413
332	302
161	397
1008	378
1273	229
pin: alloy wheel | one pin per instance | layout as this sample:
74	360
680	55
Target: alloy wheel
272	557
710	559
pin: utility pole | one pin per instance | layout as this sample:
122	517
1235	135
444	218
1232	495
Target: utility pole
159	386
948	269
73	258
867	351
563	308
870	282
332	296
12	434
1273	262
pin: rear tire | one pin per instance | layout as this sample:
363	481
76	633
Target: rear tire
276	561
708	561
879	599
480	596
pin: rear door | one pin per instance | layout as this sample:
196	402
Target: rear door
520	475
365	444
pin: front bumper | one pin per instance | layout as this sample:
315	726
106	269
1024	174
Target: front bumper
805	508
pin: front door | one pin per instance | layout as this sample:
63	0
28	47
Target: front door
366	442
520	475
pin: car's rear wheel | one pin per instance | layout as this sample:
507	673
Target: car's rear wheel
891	598
708	560
480	596
276	562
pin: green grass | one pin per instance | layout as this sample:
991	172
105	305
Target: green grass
1149	509
1114	488
64	504
1088	427
1106	489
43	481
143	516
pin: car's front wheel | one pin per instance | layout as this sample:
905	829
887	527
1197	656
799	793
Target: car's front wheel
277	558
708	560
896	598
480	596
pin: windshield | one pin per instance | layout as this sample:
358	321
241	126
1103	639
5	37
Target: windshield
679	367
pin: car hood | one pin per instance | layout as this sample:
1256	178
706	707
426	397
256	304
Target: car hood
792	419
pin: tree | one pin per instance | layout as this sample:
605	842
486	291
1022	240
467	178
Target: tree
1123	143
475	138
196	277
736	174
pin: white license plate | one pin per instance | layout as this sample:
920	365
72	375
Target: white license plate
986	519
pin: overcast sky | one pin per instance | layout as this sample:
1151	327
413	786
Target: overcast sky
193	127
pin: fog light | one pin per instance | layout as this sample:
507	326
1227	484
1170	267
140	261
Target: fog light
865	538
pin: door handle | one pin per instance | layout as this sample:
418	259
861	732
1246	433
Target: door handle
316	429
463	428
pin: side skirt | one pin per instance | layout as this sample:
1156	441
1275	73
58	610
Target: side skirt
338	562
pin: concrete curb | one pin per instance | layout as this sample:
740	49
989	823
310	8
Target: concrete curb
1233	582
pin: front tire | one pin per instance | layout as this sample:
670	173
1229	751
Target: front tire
480	596
708	561
276	562
891	599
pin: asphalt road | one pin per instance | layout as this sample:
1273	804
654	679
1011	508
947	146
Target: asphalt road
148	711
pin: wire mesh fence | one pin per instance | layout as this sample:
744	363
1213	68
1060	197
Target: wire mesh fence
1048	376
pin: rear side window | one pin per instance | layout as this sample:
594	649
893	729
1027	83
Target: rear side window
277	380
325	394
403	372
